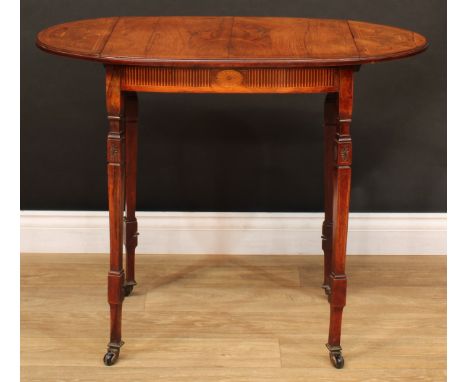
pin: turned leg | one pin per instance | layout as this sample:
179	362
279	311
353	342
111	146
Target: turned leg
116	195
341	175
131	225
330	120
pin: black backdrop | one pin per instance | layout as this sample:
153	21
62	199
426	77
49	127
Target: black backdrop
236	152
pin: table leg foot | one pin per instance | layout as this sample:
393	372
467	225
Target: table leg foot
336	356
112	355
128	288
326	289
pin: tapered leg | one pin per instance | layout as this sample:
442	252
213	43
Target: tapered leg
330	121
116	195
341	176
131	225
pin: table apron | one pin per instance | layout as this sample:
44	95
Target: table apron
229	80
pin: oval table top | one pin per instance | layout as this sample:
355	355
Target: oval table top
229	41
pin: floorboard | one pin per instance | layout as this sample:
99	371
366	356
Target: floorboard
233	318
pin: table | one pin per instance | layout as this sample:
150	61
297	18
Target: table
227	55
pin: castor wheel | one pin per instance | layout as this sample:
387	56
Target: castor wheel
326	289
337	359
128	289
111	357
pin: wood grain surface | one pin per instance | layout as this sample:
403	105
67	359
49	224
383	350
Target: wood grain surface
229	41
233	318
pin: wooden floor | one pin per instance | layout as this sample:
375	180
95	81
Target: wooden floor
233	319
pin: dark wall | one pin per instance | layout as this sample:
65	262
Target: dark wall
236	152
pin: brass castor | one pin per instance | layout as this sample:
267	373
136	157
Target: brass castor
128	289
111	356
326	289
337	360
113	352
336	357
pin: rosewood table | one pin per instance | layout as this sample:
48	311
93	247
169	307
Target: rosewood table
227	55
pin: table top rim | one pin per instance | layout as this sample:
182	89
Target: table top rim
363	55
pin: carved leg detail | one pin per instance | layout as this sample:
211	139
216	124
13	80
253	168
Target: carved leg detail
116	196
131	224
341	186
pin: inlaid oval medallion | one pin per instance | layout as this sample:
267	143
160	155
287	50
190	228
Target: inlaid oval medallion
229	78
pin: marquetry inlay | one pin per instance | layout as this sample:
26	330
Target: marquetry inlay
229	80
344	153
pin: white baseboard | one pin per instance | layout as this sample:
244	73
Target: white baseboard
235	233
